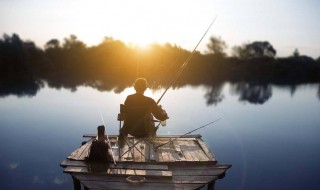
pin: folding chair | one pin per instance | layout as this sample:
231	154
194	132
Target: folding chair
136	119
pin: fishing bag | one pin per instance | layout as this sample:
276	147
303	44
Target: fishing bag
99	152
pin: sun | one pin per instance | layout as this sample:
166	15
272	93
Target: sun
140	42
139	22
138	26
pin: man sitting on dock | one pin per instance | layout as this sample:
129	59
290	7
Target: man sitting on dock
138	111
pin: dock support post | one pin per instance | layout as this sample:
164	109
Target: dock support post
211	185
76	184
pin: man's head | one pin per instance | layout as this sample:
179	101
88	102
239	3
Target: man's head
140	85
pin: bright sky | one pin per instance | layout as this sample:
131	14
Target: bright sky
286	24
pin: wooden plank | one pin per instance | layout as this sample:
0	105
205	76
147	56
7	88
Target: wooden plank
194	179
82	152
158	136
66	163
212	172
121	172
192	152
200	167
85	152
174	153
175	156
206	149
179	136
161	156
84	177
171	153
185	151
176	146
142	186
175	179
167	153
178	151
164	153
197	150
75	155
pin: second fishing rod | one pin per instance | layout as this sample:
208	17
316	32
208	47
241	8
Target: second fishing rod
181	136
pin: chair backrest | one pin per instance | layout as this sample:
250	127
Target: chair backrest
138	120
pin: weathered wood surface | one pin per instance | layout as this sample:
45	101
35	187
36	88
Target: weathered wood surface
142	186
121	172
80	153
188	177
158	136
206	149
175	179
189	149
185	163
66	163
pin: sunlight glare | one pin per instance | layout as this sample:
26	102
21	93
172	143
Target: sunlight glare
128	91
140	22
131	90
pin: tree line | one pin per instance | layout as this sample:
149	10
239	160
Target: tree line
113	65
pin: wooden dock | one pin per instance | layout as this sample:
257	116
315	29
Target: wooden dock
185	163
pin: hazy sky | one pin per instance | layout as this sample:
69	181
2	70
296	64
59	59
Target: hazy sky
286	24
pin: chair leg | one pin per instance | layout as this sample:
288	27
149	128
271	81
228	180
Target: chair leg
129	149
132	146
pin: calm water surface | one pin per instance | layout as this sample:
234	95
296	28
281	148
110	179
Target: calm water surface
273	144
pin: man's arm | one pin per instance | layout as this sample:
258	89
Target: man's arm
158	112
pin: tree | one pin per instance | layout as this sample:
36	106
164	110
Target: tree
296	53
255	50
253	93
217	46
52	44
73	43
11	49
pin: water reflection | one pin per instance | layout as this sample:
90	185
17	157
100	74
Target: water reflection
213	95
254	93
39	132
20	88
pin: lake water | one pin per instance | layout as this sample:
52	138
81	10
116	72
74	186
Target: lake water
272	142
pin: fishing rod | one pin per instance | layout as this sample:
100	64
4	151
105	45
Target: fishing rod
114	161
184	65
171	140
